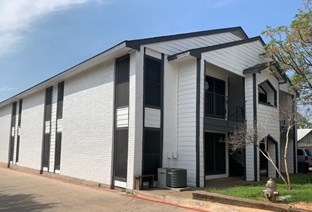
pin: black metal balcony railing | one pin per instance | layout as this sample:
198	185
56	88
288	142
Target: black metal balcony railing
224	107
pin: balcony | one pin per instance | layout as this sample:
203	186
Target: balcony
224	107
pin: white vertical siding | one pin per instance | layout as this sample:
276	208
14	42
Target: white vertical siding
187	119
271	151
152	117
31	132
284	87
268	119
180	45
170	114
5	125
284	99
53	129
249	125
88	125
122	116
267	116
135	118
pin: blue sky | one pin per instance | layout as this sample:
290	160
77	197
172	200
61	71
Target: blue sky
40	38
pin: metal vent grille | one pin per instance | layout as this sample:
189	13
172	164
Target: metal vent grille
176	178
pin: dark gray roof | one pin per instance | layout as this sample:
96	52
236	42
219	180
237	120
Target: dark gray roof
135	44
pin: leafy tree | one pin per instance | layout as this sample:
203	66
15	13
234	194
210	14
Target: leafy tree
302	121
291	47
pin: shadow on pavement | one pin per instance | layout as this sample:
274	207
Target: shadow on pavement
21	202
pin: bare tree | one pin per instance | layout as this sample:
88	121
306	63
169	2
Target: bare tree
288	117
241	137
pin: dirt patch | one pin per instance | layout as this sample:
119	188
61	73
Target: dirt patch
303	205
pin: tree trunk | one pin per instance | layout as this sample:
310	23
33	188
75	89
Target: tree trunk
269	158
285	158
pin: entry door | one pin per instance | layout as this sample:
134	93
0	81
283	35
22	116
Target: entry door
11	149
121	155
58	144
215	158
151	151
46	151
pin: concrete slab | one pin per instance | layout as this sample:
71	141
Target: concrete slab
29	192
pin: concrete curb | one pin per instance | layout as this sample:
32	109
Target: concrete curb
166	202
206	196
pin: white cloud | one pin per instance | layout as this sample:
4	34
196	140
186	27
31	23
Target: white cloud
18	16
5	89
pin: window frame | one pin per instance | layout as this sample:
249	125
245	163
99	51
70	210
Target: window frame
123	83
151	82
266	93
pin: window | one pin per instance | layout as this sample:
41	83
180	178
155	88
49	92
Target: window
308	152
214	97
267	93
48	103
60	97
299	152
122	81
152	90
20	112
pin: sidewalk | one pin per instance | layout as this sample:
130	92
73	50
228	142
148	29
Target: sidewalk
21	191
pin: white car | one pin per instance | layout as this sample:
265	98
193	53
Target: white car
304	155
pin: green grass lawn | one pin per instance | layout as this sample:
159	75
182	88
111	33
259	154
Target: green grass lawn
301	189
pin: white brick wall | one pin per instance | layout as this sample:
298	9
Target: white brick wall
31	131
135	118
88	124
5	122
53	129
16	131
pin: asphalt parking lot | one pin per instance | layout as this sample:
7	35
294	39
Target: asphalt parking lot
27	192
